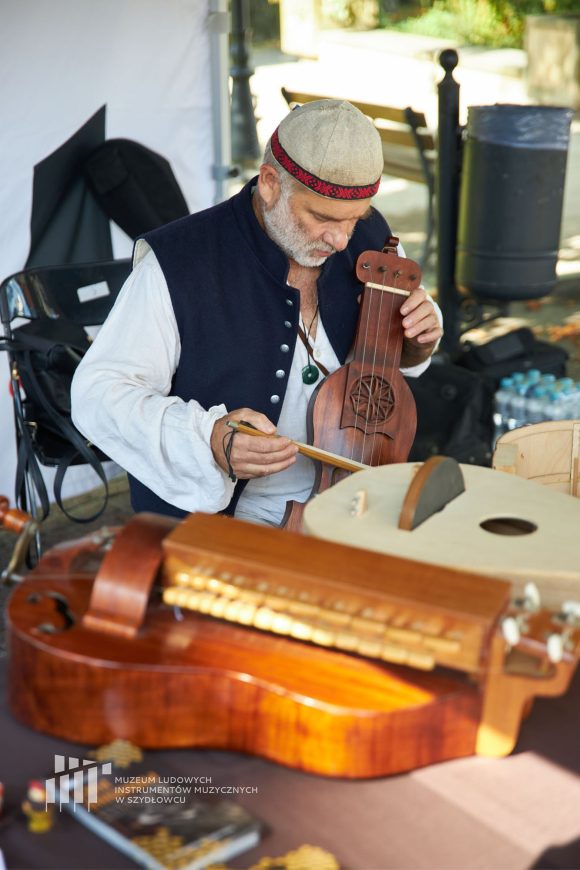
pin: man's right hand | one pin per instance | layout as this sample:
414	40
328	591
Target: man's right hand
251	455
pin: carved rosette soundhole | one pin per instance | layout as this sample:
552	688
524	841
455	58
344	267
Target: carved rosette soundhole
372	399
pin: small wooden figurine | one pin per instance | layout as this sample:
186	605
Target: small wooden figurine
40	817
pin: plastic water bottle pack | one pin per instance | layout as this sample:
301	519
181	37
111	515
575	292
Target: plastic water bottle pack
524	398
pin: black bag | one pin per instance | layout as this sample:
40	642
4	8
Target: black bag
516	351
454	415
134	186
46	354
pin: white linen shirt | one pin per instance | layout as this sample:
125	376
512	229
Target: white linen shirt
120	401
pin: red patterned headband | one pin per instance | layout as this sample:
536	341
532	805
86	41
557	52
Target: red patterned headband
324	188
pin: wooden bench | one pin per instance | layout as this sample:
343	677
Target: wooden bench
408	147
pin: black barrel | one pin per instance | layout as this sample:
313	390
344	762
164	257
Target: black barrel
510	209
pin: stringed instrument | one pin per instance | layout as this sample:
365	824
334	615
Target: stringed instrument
460	516
219	633
364	412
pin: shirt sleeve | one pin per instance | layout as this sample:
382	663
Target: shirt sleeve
120	399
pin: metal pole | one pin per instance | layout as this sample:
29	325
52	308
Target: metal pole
447	199
245	145
219	28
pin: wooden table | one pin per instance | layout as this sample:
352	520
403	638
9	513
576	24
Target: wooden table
518	812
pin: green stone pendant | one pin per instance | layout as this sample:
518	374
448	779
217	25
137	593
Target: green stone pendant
310	374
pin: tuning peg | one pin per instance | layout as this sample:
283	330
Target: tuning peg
571	610
511	630
532	597
555	648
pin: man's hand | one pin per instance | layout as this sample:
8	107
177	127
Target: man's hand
421	328
251	456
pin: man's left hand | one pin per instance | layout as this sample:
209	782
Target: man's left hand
421	328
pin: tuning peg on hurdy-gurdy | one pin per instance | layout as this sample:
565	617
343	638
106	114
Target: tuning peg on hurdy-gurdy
562	641
512	626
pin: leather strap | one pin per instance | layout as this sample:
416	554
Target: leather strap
309	350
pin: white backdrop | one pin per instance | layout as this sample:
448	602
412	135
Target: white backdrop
153	63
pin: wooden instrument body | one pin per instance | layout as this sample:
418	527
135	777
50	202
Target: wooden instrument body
365	410
459	536
548	453
78	671
195	684
378	441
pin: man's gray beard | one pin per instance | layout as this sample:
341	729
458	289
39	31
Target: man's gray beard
282	228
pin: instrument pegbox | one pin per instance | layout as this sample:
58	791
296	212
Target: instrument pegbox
539	664
557	633
540	638
387	270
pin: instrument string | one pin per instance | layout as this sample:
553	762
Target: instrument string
373	367
359	396
370	353
374	393
386	375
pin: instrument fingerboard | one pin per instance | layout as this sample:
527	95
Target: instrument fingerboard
339	597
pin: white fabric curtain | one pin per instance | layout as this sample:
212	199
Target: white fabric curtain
150	62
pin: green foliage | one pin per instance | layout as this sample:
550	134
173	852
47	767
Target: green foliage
350	13
338	11
497	23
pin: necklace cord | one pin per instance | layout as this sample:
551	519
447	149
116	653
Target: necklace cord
304	336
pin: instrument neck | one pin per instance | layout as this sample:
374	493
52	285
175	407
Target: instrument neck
380	331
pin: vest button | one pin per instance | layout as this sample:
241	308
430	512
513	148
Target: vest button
280	373
284	348
287	324
274	399
289	302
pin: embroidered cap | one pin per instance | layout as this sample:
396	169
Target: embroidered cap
330	147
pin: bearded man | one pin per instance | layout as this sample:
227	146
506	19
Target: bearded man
205	329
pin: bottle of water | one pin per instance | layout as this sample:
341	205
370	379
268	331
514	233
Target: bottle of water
537	400
518	378
501	403
568	393
555	406
532	379
518	408
577	402
548	380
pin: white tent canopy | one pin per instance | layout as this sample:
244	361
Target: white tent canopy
160	68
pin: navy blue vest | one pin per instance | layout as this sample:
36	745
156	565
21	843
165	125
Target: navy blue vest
237	317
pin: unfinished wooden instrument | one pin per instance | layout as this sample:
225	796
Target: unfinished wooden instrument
548	453
500	525
218	633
